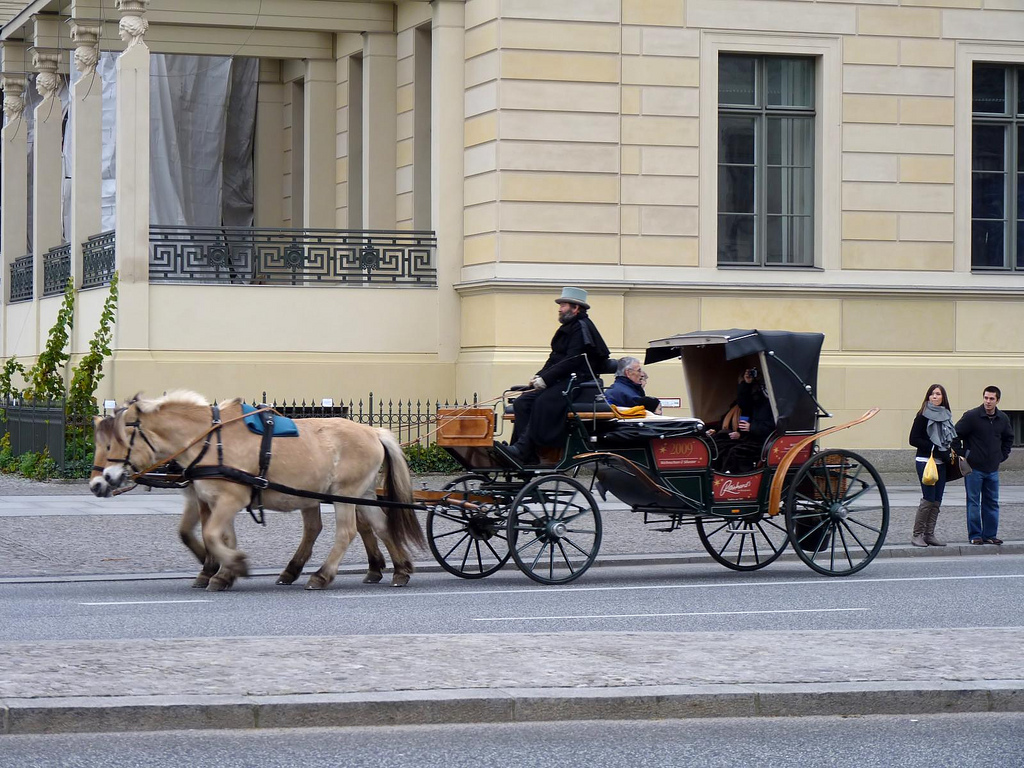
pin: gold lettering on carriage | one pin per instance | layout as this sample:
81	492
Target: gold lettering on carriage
680	452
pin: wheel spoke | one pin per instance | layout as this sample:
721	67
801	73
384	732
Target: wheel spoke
565	557
863	525
575	546
846	549
767	538
446	554
855	537
463	529
459	519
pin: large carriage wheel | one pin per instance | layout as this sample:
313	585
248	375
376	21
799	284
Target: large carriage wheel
837	512
469	543
554	529
743	543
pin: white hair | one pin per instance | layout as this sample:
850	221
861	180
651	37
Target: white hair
625	363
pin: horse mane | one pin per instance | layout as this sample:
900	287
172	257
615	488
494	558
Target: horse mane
175	397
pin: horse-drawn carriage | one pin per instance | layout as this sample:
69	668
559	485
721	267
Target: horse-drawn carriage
830	504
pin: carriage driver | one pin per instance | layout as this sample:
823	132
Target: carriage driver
540	412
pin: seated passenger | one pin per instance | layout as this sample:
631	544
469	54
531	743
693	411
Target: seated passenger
628	389
739	450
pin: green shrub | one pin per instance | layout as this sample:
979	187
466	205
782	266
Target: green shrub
8	462
432	458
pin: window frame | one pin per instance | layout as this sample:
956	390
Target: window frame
1012	120
762	112
826	50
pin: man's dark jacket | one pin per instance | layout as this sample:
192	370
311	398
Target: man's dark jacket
573	345
570	343
987	439
625	393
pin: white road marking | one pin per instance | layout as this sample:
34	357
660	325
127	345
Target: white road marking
148	602
545	590
661	615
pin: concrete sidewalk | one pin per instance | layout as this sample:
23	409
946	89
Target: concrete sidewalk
61	687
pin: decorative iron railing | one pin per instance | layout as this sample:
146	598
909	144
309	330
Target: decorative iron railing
98	260
56	270
21	279
248	256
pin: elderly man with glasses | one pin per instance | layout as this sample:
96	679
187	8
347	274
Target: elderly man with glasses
628	389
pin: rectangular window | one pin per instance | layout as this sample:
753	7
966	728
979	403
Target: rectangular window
766	116
997	168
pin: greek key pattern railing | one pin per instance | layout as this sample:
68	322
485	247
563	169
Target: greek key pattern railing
247	256
98	260
56	270
21	279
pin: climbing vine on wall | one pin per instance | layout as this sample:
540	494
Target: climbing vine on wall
87	374
46	378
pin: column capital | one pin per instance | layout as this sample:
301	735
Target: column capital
46	62
86	34
133	25
14	94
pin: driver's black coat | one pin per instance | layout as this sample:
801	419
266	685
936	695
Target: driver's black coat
574	345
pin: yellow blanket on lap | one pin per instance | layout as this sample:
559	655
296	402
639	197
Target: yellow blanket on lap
633	412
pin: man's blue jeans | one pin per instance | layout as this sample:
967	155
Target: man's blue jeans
982	504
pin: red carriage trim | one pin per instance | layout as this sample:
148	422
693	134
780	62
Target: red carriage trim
680	453
736	487
782	444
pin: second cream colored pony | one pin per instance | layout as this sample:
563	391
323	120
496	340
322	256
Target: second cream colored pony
330	456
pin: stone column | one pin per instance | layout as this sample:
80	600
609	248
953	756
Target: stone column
47	170
86	129
269	150
447	162
318	145
132	182
380	128
13	182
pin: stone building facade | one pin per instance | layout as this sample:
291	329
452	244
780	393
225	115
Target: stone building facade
853	168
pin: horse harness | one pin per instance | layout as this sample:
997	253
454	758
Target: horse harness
220	471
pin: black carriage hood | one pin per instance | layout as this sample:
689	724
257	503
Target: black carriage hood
791	360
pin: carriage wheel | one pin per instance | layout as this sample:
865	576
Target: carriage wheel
554	529
743	543
837	512
470	544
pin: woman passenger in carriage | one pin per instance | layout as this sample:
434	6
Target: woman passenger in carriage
740	450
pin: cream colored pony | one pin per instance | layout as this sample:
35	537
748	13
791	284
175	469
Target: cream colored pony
330	456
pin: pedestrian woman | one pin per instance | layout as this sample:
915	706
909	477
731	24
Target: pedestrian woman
932	434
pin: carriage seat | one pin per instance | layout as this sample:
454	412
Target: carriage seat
589	394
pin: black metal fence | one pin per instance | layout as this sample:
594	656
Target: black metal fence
98	260
250	256
410	421
21	279
56	270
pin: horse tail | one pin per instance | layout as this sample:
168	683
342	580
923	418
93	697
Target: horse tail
403	525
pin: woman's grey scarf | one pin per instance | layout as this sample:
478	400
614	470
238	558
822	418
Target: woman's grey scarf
940	426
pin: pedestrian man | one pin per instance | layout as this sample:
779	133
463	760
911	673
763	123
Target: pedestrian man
576	348
987	436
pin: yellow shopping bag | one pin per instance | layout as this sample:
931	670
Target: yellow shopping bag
930	476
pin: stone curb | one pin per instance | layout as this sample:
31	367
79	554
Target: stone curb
467	706
603	561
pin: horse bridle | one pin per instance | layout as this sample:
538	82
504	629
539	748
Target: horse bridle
136	428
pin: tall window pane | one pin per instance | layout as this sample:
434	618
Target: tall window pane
766	161
737	80
989	89
997	168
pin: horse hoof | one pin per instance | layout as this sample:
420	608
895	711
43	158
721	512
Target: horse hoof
373	577
316	581
286	578
217	584
400	581
201	582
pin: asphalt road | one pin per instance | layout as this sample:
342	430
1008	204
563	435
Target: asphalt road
923	741
894	593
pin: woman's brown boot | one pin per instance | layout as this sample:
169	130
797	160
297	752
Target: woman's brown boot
920	522
929	528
